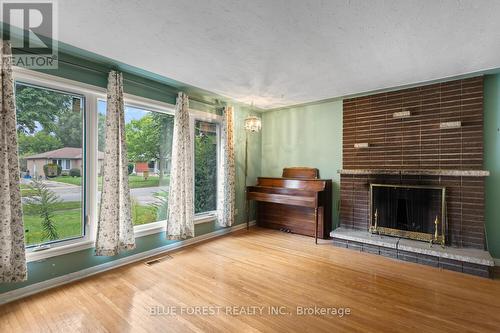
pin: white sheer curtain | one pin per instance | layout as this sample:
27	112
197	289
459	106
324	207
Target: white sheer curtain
226	177
12	253
180	223
115	231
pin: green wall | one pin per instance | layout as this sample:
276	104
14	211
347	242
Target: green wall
492	161
310	136
144	84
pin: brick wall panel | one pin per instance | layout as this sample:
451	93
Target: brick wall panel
418	143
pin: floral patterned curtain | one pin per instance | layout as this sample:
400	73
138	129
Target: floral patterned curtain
226	177
12	253
115	231
180	223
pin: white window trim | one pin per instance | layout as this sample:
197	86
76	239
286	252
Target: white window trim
63	163
81	89
211	118
205	217
92	95
160	226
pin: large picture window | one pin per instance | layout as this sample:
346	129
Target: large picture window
205	159
61	136
50	129
149	146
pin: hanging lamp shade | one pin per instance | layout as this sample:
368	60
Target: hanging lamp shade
253	124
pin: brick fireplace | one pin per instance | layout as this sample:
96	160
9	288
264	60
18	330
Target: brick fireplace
428	136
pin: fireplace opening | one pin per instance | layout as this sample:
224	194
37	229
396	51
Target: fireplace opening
415	212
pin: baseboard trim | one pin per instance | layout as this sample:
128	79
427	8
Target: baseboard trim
496	269
35	288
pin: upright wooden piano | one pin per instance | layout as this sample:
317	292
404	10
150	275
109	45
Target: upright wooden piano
299	202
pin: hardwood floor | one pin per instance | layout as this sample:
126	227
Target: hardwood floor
264	268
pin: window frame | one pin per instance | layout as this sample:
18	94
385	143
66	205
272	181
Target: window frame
214	119
64	162
19	76
67	163
92	94
152	106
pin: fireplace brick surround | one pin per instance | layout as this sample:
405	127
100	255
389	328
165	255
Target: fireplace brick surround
464	199
411	137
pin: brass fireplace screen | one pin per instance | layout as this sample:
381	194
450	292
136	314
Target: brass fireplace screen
409	211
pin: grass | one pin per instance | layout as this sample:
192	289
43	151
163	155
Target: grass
68	220
61	206
68	180
134	181
143	214
138	181
68	214
26	191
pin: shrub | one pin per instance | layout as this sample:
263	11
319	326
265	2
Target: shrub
205	174
52	170
161	204
23	164
75	172
130	168
43	203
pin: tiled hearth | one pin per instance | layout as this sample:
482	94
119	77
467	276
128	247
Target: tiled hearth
405	138
466	260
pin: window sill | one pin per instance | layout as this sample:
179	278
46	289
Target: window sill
149	229
58	250
205	218
139	231
160	226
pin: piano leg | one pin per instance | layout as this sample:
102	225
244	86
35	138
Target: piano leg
316	225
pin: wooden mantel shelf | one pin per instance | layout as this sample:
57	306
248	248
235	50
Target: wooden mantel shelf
416	172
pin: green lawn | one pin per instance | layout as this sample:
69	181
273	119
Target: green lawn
143	214
26	191
68	180
68	220
134	181
138	181
68	215
61	206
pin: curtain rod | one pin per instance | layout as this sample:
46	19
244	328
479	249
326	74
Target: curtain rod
133	81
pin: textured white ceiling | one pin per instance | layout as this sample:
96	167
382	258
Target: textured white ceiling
284	52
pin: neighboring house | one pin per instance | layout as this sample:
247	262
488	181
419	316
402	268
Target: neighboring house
68	158
140	167
151	166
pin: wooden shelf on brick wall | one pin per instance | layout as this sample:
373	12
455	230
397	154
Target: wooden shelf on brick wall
416	172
